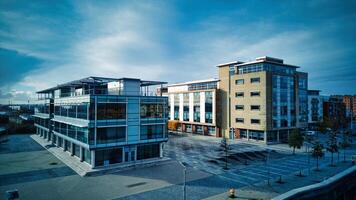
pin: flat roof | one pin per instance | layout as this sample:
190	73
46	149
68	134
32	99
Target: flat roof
262	59
94	80
193	82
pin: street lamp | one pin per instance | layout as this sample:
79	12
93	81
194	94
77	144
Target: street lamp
183	164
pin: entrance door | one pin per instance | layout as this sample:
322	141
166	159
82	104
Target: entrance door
130	154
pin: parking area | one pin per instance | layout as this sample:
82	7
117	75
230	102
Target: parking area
248	163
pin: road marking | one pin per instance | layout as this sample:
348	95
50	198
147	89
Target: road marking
244	177
253	173
266	171
237	181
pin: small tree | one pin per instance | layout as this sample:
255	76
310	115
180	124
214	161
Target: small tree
332	146
323	125
317	152
225	147
295	140
345	143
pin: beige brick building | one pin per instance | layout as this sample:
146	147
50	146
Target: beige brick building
262	100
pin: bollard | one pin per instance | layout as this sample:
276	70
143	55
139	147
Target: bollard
232	192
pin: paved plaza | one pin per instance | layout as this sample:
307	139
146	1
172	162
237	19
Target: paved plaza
37	174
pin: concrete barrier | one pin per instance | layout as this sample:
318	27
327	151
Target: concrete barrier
340	186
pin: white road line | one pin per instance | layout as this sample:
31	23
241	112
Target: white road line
266	171
254	173
231	179
245	177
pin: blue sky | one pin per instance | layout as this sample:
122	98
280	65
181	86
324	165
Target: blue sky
43	43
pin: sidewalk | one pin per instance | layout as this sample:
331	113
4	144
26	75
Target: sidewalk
265	191
84	169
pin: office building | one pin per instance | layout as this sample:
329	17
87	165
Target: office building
315	108
193	108
334	110
104	121
262	100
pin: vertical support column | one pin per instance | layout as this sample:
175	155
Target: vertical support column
48	136
161	150
81	154
64	144
248	134
92	156
57	141
72	149
265	137
278	137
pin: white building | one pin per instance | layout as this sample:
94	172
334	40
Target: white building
193	105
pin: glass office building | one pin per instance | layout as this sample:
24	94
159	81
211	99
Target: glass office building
104	121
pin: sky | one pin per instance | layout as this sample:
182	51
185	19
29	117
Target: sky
44	43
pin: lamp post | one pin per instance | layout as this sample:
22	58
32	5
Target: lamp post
185	179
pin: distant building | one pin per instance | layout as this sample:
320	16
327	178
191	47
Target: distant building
335	110
315	107
104	121
192	105
262	100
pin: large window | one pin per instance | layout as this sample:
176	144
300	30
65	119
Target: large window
208	107
151	131
110	135
107	111
196	107
148	151
151	110
108	156
186	107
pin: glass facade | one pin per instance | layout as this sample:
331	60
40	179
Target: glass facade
149	110
176	107
72	110
196	106
186	107
110	135
303	99
208	107
108	156
148	151
283	101
151	131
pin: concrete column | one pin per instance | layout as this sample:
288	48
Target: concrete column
248	134
265	137
72	149
161	150
48	136
81	154
57	141
278	136
92	152
64	145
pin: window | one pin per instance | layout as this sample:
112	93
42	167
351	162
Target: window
255	94
111	111
151	111
239	120
111	155
239	107
239	94
147	151
151	131
255	80
239	82
255	121
110	135
255	107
